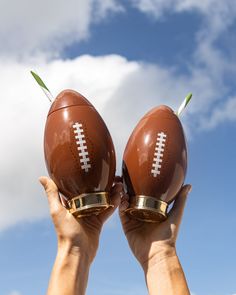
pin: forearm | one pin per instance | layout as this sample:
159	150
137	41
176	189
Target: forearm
70	273
164	275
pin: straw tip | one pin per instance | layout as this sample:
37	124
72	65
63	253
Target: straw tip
189	95
188	98
33	74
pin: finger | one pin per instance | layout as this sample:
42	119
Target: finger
116	180
176	213
124	217
124	204
64	201
52	194
116	194
115	198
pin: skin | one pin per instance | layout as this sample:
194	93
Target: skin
77	241
154	246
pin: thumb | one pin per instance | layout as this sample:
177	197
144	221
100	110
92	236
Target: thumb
52	194
115	197
124	218
176	213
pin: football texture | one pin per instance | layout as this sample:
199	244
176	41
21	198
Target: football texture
79	153
154	164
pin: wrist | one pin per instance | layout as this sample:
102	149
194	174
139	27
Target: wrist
158	257
164	274
70	272
67	250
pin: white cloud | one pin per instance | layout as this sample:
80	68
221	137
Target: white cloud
121	290
103	7
222	113
122	94
121	90
25	109
15	293
133	291
217	17
35	26
216	10
208	59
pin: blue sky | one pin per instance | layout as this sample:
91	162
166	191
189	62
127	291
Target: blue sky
123	55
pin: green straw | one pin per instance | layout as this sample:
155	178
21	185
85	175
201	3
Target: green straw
184	104
42	86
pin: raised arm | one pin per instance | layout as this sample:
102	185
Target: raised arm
154	246
77	242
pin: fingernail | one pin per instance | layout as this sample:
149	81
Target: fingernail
189	188
41	180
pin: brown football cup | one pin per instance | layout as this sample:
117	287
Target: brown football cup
154	164
79	154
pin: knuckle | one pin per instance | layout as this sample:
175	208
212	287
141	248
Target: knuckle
51	190
54	212
117	188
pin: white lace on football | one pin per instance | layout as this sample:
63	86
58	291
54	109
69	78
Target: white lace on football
82	147
158	154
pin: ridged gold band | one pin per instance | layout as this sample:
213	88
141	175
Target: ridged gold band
92	203
148	204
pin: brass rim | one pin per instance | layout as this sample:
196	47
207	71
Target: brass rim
147	204
90	203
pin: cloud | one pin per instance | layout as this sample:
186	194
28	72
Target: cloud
30	27
14	293
120	290
103	7
222	113
127	291
25	109
209	59
121	96
216	18
216	11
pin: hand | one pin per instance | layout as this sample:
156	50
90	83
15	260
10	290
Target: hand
78	235
152	242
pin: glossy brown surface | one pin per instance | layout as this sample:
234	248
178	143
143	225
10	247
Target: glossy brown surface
139	156
79	165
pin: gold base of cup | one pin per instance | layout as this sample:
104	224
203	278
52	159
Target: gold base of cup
148	209
89	204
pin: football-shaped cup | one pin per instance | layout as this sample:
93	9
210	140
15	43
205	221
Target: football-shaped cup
154	164
79	153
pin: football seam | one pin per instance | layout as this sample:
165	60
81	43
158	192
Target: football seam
82	147
158	154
